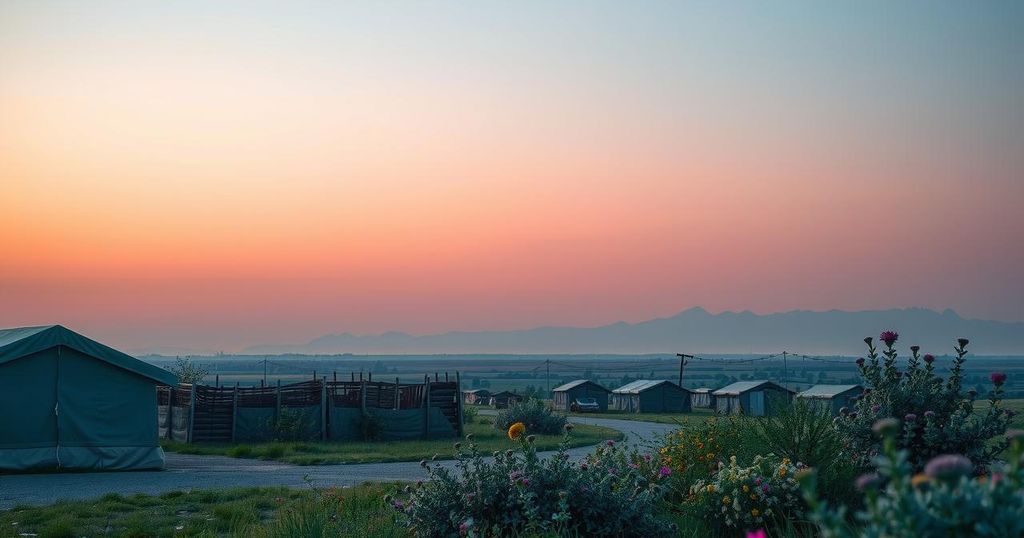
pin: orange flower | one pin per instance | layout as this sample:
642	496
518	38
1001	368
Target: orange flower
516	430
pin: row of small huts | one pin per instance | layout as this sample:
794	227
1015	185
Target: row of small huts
755	398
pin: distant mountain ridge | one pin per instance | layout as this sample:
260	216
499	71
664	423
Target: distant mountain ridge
698	331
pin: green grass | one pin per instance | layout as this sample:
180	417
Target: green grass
258	512
663	418
318	453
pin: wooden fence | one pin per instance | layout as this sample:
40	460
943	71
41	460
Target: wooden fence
214	414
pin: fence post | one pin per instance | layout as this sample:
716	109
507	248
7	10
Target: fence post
362	396
458	398
191	413
398	394
323	410
277	408
234	411
170	413
426	407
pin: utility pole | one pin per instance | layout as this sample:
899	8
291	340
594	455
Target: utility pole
547	362
264	371
682	363
785	370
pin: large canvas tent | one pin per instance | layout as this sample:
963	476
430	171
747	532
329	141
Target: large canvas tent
68	402
650	396
832	397
564	396
755	398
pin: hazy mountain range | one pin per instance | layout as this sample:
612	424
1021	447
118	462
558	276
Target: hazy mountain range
698	331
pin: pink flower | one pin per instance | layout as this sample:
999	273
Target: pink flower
610	442
759	533
860	361
929	358
665	471
997	378
889	337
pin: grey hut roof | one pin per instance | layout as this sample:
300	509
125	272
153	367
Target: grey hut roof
574	384
24	341
641	385
744	386
702	390
827	391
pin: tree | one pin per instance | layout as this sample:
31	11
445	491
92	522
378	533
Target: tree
187	371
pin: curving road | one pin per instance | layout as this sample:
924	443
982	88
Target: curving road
187	472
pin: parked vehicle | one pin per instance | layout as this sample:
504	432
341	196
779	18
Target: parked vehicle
585	405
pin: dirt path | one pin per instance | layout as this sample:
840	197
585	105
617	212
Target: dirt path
186	472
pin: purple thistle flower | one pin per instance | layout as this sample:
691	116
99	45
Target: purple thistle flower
915	349
948	467
664	471
963	342
910	417
860	361
889	337
929	358
868	340
868	481
886	426
876	408
929	414
997	378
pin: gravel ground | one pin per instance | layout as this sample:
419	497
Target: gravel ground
187	472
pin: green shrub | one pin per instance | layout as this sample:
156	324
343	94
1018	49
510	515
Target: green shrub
938	416
240	451
370	427
805	433
469	414
942	501
291	425
534	414
612	493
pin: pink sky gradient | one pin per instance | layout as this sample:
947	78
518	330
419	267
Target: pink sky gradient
273	180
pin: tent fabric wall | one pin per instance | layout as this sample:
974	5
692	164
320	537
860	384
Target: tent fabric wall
80	405
106	416
28	437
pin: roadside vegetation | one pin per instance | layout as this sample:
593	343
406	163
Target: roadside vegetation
314	453
255	512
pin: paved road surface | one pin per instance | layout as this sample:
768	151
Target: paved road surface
186	472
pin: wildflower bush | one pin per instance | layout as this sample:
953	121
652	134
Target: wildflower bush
944	500
765	494
614	492
938	416
534	414
694	451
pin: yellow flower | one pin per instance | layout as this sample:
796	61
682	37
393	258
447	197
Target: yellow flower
516	430
755	512
753	496
711	488
726	499
711	456
782	471
919	480
746	488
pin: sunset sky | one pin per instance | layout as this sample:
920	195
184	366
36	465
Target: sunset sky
214	177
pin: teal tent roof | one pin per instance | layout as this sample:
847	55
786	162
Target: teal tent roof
828	391
574	384
641	385
24	341
744	386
